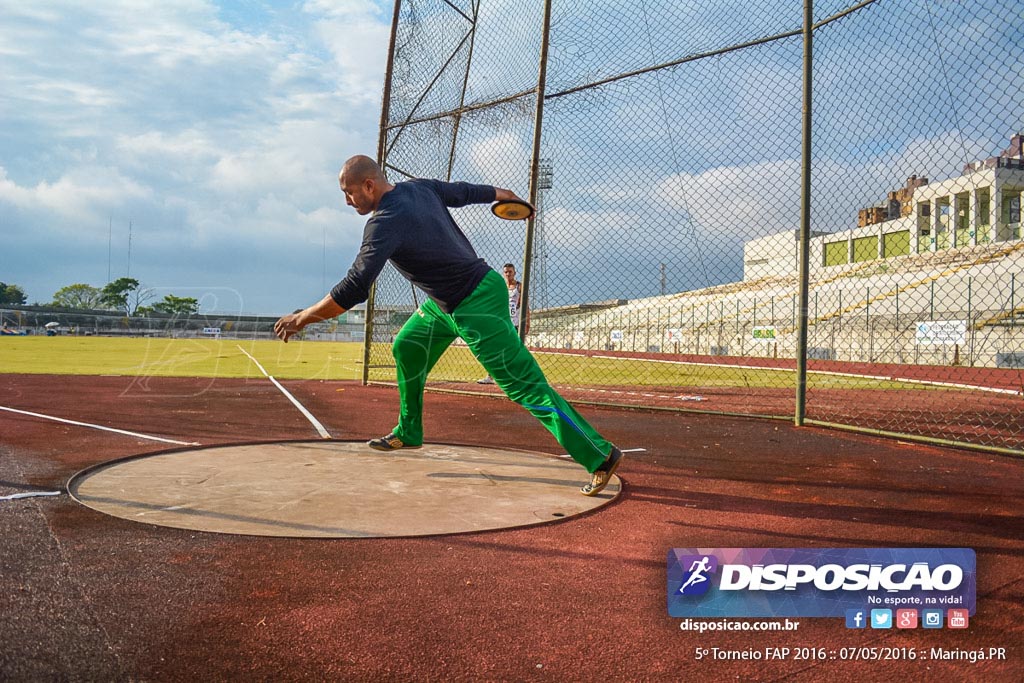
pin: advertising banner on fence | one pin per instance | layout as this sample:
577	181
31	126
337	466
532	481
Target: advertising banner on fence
817	582
941	332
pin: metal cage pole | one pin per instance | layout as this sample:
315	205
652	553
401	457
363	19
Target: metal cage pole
385	111
805	218
462	95
531	225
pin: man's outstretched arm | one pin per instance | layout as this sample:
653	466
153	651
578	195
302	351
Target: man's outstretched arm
325	309
501	194
460	194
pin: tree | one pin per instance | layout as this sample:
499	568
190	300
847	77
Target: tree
139	297
177	305
78	296
11	294
115	294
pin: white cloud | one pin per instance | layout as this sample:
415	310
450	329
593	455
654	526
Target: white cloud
214	125
207	125
577	231
82	193
294	68
298	158
501	159
65	93
356	33
735	201
159	147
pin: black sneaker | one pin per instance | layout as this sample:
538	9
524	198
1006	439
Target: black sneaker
388	443
603	474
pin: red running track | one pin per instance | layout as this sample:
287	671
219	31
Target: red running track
91	597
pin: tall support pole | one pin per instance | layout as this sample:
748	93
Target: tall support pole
805	219
462	96
538	119
385	107
970	325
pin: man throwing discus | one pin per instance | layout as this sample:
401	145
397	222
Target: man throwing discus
410	226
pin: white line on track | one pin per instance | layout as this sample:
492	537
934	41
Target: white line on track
31	494
889	378
94	426
624	450
302	409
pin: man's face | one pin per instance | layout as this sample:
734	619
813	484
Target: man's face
359	195
510	274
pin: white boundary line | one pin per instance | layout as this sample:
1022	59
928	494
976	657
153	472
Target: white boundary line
888	378
621	450
302	409
31	494
106	429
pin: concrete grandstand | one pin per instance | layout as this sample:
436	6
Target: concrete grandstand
932	276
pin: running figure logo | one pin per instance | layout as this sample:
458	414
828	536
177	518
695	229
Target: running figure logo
696	581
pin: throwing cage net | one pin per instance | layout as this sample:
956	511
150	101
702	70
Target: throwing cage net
678	182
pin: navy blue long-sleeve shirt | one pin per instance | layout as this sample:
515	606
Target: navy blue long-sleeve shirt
413	229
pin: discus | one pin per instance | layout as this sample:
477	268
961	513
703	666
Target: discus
512	209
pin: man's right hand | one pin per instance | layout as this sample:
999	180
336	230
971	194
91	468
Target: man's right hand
501	195
288	325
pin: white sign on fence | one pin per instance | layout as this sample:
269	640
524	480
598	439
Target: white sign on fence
674	334
212	330
941	332
616	335
764	334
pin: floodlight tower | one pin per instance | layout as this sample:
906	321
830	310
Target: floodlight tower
539	295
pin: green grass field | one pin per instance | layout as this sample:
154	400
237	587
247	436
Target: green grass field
155	357
458	365
179	357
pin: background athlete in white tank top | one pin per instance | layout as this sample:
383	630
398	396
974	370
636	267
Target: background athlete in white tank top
515	291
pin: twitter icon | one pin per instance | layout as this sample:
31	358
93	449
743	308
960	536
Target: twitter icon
881	618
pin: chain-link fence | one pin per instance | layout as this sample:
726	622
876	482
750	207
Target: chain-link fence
60	321
664	267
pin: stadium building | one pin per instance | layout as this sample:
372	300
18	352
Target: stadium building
934	275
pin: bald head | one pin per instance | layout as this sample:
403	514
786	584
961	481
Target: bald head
363	183
360	168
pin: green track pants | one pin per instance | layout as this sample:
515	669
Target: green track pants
482	320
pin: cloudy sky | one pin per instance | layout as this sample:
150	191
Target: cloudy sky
215	130
670	172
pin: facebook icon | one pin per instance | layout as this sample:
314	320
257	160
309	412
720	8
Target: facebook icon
855	618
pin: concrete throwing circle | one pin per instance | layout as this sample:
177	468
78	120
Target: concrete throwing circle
336	489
